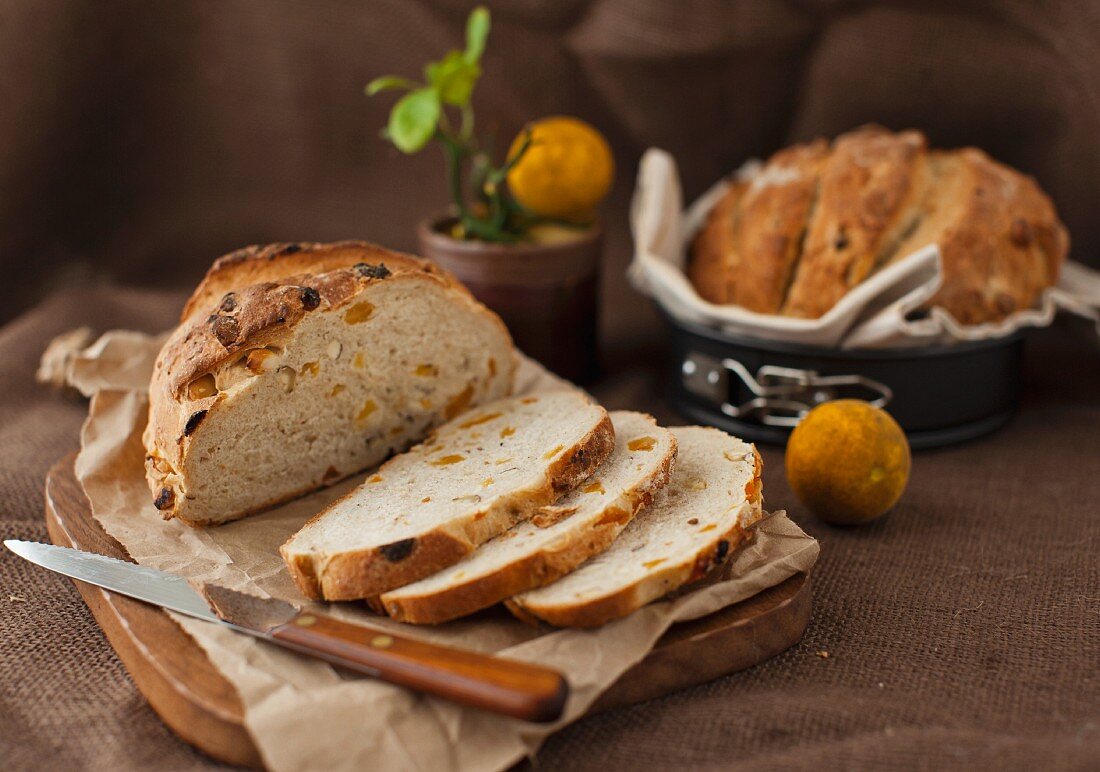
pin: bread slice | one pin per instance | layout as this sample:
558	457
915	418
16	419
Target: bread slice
693	523
473	479
283	385
556	540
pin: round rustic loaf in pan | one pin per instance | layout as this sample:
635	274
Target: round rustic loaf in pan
818	219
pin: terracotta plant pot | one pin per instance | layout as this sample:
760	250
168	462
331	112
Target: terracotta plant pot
545	293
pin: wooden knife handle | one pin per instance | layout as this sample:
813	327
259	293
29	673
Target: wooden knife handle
516	689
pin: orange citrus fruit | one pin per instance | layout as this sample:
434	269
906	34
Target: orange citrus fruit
848	461
566	171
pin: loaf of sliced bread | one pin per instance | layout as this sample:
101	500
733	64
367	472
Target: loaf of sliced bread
693	523
297	365
473	479
556	540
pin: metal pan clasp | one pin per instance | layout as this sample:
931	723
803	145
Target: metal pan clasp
780	396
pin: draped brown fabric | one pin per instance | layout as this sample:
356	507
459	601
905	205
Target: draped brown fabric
139	140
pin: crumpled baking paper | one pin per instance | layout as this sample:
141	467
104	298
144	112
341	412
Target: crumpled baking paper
300	712
878	313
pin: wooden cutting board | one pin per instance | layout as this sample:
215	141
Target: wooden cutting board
199	705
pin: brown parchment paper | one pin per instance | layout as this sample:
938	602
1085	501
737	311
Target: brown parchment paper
301	713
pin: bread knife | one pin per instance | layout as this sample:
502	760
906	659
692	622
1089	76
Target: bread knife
508	687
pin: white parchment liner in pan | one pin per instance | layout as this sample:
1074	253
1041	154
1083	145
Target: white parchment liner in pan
877	313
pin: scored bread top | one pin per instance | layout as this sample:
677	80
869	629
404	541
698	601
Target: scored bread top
692	524
715	262
258	264
557	539
249	298
772	218
818	219
868	195
1000	240
472	479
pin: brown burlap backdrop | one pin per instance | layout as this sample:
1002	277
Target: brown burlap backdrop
138	140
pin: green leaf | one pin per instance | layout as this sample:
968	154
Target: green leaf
454	78
390	83
477	31
413	119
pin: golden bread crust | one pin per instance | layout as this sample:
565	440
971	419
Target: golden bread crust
844	210
870	186
261	263
1005	246
774	212
530	571
250	299
658	582
714	265
366	573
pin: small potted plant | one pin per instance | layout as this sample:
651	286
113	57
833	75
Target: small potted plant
522	232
